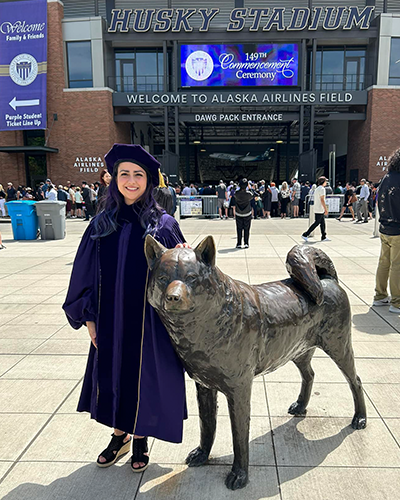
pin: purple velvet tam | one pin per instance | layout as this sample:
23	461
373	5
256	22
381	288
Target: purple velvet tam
135	154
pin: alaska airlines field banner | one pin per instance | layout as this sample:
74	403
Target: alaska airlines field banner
244	65
23	65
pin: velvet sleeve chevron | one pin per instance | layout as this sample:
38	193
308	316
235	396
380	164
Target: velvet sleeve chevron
170	233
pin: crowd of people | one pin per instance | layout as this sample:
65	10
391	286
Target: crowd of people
243	201
81	201
287	199
269	200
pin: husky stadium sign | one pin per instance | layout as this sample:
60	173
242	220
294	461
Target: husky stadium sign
302	18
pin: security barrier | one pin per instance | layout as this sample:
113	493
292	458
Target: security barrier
334	202
198	206
207	206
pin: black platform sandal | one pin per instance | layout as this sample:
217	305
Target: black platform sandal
114	450
139	448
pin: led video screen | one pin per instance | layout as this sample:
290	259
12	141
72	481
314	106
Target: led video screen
240	65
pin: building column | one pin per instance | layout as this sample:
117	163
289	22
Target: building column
165	82
287	152
303	76
175	62
177	130
187	156
313	81
278	163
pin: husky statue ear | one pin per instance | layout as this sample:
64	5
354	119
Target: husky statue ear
206	251
152	250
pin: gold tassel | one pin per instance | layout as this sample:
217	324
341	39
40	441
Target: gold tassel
161	183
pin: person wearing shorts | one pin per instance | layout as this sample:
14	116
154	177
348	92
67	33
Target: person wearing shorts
78	202
71	192
296	193
222	198
349	197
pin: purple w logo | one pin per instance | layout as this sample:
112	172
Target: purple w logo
199	65
24	68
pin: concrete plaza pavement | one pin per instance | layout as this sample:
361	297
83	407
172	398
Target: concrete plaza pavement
48	451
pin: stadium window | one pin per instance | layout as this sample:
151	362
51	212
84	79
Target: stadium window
139	70
79	57
394	68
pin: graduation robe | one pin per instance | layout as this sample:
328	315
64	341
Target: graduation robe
134	380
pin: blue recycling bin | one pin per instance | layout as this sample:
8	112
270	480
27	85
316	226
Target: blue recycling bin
24	220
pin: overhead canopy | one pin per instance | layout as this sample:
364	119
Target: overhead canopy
27	149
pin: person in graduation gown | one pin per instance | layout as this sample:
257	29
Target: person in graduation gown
134	381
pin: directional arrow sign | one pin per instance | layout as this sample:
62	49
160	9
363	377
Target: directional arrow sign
15	104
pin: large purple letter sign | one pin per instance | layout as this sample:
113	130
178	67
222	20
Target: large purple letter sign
23	65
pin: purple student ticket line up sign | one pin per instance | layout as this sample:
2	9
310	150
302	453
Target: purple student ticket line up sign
23	65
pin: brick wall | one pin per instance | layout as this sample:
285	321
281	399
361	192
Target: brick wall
85	128
373	140
85	131
385	128
12	166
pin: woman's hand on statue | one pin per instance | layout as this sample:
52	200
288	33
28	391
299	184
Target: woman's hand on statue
183	245
91	326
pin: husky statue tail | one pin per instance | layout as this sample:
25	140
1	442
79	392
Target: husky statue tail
307	266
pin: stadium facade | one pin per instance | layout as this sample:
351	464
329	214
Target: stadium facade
245	88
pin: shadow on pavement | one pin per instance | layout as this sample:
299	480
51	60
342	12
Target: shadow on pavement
364	322
230	250
88	482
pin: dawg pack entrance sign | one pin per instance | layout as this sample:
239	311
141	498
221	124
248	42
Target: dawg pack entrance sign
23	65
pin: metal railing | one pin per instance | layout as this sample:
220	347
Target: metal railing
340	82
147	83
334	202
207	206
198	206
155	83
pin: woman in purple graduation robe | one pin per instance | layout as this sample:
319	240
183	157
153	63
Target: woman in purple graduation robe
134	381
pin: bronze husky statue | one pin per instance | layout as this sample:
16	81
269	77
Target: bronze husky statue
227	332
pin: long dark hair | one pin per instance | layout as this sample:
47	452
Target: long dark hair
147	209
394	162
103	173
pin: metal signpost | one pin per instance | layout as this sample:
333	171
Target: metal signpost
332	165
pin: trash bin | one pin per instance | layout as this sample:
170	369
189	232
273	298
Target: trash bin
51	216
210	206
24	220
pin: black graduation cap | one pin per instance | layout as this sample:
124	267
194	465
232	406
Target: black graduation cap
135	154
